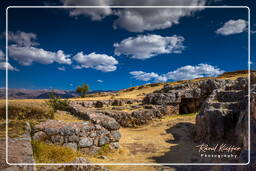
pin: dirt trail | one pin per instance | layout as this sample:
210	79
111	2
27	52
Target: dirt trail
163	141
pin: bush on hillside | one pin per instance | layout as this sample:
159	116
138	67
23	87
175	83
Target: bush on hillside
56	103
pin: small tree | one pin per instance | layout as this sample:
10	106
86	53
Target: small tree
82	90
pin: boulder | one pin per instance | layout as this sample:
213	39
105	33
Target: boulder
85	142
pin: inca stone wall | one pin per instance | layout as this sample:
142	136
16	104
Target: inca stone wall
83	136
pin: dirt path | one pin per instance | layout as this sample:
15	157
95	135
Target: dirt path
163	141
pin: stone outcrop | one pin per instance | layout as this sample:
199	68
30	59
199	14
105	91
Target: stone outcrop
83	136
188	96
19	151
220	113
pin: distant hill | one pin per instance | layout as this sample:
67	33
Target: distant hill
35	94
41	93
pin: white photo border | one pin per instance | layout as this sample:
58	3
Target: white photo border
130	164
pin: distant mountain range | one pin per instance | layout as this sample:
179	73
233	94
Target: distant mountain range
41	93
35	94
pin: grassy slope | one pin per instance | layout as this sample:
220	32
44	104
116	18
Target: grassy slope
138	92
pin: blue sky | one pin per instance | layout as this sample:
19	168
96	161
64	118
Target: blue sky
112	49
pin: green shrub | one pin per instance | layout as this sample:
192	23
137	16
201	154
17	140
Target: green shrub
56	103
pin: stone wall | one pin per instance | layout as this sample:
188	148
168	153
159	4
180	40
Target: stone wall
83	136
115	118
105	103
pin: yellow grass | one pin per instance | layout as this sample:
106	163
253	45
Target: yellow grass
46	153
64	116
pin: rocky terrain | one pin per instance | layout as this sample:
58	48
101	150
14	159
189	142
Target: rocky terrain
217	110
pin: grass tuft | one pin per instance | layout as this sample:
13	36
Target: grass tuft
49	153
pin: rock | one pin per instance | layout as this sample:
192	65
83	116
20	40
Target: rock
19	151
222	112
118	103
85	142
73	138
67	130
99	104
110	124
114	145
51	131
115	135
71	145
39	136
57	139
103	140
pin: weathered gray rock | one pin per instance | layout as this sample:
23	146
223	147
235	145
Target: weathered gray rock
222	111
103	140
85	142
115	135
51	131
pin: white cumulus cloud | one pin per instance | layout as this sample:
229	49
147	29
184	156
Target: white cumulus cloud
3	63
95	13
3	66
147	46
101	62
183	73
138	19
22	38
232	27
142	19
27	55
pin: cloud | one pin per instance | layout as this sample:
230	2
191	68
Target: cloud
138	19
3	66
99	81
27	55
142	19
95	14
22	38
101	62
143	76
147	46
232	27
183	73
2	55
62	68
